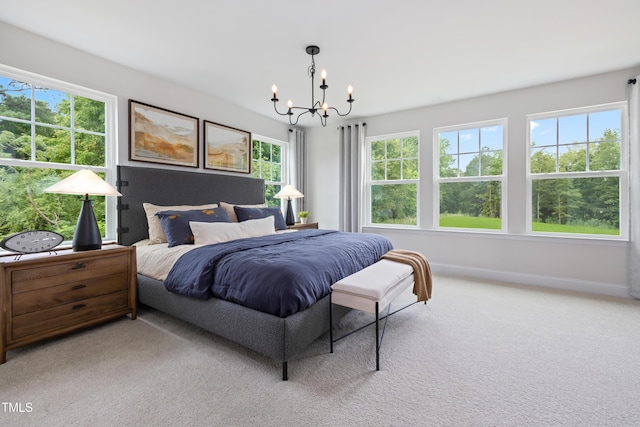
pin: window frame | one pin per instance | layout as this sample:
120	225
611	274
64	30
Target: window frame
622	173
368	182
284	161
110	141
437	180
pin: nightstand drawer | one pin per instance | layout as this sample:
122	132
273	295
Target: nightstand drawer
41	299
42	321
65	272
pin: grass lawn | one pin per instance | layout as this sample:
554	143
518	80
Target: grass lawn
462	221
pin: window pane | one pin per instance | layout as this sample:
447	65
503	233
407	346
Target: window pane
410	169
543	132
377	171
256	171
572	129
448	142
394	204
393	149
448	166
27	207
89	114
15	140
89	149
491	163
470	164
378	150
543	160
49	108
604	156
15	99
573	158
271	190
469	141
605	125
471	205
393	169
576	205
491	138
410	147
276	172
53	145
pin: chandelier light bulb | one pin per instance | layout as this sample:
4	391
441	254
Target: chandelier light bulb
325	107
290	104
274	89
349	89
324	74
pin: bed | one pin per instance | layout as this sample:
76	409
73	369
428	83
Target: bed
279	336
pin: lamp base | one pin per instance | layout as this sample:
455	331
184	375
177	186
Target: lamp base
289	219
87	235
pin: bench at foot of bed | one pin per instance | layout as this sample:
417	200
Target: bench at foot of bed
372	290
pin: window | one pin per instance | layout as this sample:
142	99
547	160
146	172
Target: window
49	130
577	171
393	179
268	163
470	175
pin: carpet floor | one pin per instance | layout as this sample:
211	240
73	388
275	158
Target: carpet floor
478	354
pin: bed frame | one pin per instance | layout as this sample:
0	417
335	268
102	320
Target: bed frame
281	339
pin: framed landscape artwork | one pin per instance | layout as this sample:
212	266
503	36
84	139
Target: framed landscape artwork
161	136
226	148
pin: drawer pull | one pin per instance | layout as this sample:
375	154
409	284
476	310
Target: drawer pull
76	287
78	266
78	306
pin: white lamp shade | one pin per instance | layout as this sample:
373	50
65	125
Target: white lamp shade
288	192
83	182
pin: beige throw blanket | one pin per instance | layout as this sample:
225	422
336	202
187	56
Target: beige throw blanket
421	270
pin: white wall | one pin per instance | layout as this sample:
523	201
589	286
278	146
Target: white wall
570	263
27	51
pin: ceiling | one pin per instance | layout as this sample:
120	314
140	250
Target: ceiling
397	54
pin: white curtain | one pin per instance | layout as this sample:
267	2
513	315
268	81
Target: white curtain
634	187
351	140
298	167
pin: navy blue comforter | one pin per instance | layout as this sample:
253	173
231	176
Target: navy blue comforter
279	274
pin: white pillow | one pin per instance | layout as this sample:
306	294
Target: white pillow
156	234
208	233
232	213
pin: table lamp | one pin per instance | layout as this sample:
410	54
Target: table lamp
87	234
289	192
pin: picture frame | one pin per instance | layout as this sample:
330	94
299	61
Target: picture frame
158	135
226	148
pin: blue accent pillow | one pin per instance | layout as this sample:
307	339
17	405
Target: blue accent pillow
175	224
245	214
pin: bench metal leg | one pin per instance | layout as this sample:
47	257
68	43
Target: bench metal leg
330	325
285	375
379	337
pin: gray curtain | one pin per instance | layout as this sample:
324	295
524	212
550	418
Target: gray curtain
298	167
351	140
634	187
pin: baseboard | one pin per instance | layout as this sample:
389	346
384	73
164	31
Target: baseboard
609	289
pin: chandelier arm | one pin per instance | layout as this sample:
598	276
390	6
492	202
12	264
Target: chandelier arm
339	113
276	108
298	117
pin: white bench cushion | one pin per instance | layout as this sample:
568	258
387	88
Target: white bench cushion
380	282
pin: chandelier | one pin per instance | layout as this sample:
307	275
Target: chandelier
320	107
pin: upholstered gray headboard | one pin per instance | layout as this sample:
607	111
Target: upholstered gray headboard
171	187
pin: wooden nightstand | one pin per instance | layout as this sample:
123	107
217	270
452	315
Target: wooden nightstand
299	226
45	295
